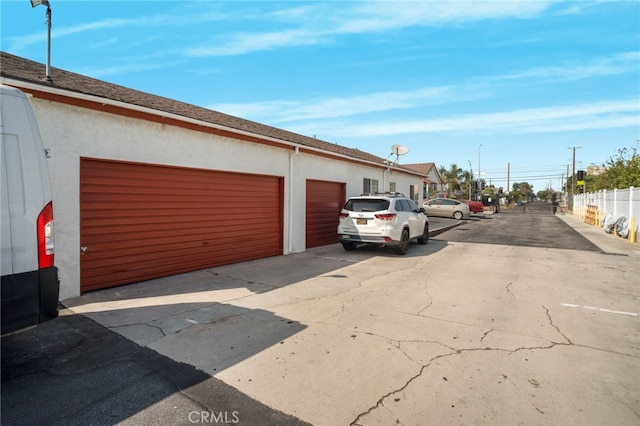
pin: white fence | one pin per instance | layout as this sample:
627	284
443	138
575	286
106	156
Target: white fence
618	202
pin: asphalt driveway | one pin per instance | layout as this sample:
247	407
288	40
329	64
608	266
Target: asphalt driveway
452	333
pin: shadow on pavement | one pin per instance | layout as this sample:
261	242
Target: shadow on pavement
72	371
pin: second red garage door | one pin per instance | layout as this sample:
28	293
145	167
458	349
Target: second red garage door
324	202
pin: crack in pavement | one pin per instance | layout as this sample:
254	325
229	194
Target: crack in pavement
556	327
485	335
380	402
426	291
508	287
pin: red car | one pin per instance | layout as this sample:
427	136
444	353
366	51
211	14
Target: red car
474	206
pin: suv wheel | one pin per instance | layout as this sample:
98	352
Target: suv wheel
404	243
425	236
349	246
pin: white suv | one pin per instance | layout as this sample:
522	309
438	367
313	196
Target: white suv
385	219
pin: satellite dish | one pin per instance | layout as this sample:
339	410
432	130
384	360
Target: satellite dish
398	149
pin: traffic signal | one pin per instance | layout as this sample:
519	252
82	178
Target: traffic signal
581	189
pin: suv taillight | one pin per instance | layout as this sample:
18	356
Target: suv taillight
386	216
343	215
44	227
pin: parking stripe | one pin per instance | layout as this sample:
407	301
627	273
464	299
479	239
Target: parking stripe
593	308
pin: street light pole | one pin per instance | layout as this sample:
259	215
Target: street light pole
470	178
35	3
479	173
479	161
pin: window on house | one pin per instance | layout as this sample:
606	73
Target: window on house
414	192
370	186
392	187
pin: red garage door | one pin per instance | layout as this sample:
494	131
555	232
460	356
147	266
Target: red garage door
141	221
324	202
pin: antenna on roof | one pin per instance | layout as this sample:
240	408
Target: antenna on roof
398	150
35	3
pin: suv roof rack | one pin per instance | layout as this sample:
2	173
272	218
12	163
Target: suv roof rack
388	194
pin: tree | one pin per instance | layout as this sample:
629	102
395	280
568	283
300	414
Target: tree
521	191
620	171
546	194
452	177
467	181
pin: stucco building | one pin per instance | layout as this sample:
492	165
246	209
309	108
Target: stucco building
144	186
431	181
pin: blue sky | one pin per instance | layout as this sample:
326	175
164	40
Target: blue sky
464	82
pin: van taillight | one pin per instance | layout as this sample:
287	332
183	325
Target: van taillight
44	226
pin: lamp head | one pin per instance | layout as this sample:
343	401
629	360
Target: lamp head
35	3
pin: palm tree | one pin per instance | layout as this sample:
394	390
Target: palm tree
467	181
452	177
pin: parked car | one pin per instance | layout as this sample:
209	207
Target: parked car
447	207
474	206
385	219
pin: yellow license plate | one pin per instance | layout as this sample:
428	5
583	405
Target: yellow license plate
361	221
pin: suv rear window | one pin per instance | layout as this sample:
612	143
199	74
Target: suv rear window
367	205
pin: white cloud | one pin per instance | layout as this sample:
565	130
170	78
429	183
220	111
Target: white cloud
315	24
598	115
385	15
322	24
615	64
289	111
19	43
103	43
242	43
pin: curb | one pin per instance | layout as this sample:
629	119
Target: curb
444	229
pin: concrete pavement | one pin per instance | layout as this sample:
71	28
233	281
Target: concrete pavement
608	243
448	334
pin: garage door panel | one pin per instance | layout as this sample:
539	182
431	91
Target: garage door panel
166	260
178	195
174	218
141	221
161	269
150	215
135	260
223	184
176	242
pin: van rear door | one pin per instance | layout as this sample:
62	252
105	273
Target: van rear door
29	285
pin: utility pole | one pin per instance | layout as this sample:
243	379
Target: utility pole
573	171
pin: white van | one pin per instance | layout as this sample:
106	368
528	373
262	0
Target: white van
30	285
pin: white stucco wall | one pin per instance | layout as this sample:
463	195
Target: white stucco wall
70	132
